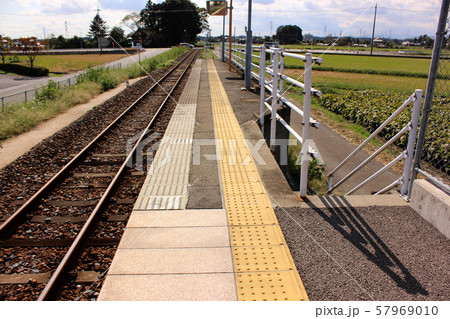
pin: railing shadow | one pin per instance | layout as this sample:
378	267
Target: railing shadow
360	234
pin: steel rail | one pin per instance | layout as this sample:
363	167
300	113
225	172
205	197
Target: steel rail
56	282
7	227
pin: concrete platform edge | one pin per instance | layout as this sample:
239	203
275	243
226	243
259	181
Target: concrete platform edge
433	204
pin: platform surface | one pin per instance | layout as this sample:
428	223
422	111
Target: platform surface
236	252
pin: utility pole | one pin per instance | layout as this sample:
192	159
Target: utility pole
223	40
438	42
271	31
249	49
99	38
231	22
373	30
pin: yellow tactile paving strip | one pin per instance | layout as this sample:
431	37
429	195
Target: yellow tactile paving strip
263	265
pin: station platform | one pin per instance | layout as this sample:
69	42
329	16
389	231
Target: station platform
208	222
203	226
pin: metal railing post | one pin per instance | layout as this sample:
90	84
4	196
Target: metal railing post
281	79
262	83
273	120
411	142
306	120
25	96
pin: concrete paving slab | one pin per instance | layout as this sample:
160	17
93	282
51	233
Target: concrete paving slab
204	175
178	218
186	287
178	237
172	261
205	197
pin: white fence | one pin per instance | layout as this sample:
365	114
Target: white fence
271	77
271	65
407	154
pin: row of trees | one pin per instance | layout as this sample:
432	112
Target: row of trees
158	24
29	46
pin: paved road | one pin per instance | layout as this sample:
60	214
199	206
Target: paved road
14	84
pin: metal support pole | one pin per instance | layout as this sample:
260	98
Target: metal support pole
281	79
231	23
262	83
273	120
223	40
373	30
305	123
440	33
411	142
248	49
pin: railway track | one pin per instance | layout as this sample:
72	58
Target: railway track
66	233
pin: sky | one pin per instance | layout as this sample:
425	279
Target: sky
395	18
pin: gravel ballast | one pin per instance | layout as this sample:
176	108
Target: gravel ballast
370	253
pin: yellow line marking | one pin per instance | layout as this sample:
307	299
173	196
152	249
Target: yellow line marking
262	262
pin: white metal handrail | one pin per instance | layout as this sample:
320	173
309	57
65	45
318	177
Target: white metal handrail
283	53
411	127
275	87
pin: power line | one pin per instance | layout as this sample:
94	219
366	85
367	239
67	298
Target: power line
406	10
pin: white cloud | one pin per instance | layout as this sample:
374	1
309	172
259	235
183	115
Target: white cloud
67	6
398	18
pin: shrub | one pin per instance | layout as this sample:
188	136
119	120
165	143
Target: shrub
24	70
48	92
371	108
107	81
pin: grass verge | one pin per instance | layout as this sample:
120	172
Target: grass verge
20	118
317	179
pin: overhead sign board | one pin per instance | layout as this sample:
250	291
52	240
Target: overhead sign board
217	7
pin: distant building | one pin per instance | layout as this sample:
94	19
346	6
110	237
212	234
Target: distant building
411	44
379	43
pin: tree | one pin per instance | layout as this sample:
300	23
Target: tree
30	47
289	34
117	35
98	29
204	20
425	40
132	21
5	46
171	22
